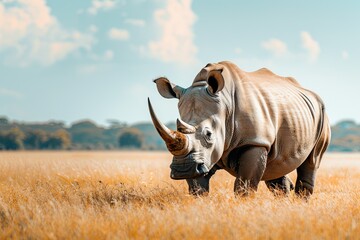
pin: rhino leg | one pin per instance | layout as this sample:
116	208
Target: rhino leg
306	180
306	174
307	171
249	164
200	186
280	186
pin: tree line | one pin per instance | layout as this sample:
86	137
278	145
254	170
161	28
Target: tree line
87	135
81	135
15	139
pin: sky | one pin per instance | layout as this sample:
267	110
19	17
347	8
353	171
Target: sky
96	59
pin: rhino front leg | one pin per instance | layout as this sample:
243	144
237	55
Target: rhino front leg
249	164
282	185
200	186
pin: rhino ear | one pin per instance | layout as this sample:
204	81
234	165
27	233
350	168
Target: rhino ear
215	81
168	89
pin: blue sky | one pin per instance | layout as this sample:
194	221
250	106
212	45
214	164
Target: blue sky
96	59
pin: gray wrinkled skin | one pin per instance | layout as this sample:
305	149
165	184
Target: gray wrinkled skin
255	125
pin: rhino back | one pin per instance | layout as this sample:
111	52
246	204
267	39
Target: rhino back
277	113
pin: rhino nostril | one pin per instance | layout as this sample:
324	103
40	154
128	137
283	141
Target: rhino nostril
202	169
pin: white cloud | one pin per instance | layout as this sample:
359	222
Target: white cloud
30	34
275	46
108	55
345	55
238	50
93	28
311	46
135	22
118	34
97	5
10	93
176	41
88	69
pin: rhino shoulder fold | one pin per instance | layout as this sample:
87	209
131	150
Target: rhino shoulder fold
293	81
267	72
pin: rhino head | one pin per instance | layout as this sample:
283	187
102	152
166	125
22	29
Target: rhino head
198	142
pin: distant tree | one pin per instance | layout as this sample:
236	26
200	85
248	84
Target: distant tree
114	123
2	140
349	143
12	139
87	134
131	138
58	140
35	139
4	120
56	123
346	124
83	124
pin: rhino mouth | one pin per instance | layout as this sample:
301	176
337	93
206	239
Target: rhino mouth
188	167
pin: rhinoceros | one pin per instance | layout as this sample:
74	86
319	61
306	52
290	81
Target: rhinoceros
255	125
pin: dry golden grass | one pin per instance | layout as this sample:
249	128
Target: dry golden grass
129	195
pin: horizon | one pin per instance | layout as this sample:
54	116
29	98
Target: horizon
68	124
107	124
96	59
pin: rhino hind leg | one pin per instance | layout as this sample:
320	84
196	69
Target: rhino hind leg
280	186
306	175
305	181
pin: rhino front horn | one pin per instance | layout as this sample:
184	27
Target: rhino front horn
176	142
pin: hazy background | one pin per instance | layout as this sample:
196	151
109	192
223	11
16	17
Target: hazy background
96	59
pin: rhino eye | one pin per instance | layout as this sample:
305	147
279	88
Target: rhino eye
207	133
207	137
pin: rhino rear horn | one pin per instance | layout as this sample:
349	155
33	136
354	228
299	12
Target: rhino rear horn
184	127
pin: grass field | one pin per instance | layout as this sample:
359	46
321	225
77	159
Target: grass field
129	195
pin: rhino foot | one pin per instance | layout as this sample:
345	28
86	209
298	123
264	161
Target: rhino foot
280	186
304	189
